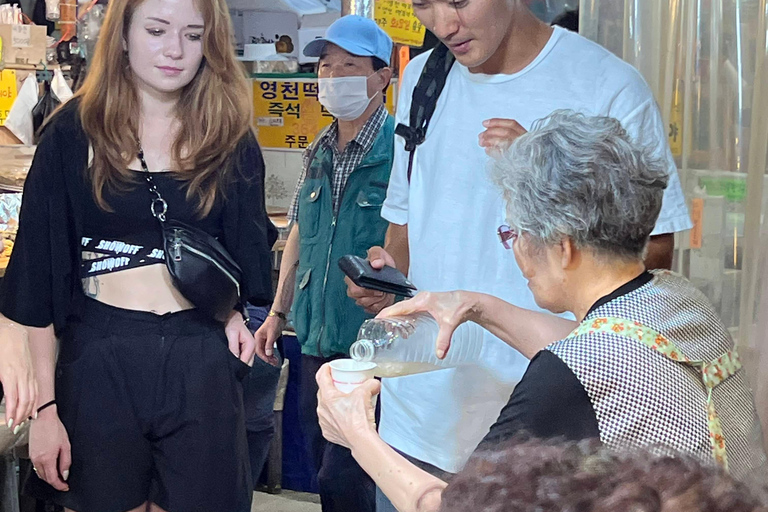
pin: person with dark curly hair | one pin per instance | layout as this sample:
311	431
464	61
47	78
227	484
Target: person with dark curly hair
548	477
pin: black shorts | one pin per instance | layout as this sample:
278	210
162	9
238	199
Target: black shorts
154	411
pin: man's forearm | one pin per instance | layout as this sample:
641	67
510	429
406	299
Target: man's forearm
288	266
396	244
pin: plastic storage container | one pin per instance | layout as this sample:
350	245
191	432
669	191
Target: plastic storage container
406	345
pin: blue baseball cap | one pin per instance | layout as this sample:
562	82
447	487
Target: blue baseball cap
357	35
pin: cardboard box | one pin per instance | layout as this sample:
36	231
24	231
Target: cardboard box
23	44
11	80
7	137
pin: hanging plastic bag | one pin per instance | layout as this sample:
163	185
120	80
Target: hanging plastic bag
19	120
59	86
44	108
52	10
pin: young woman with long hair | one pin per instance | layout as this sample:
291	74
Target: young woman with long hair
142	409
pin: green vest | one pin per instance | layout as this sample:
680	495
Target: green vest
325	319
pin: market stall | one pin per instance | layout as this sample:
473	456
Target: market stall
14	164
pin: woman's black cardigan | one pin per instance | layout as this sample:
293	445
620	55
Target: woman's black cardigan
43	276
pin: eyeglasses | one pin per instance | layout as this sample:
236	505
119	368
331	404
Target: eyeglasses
507	236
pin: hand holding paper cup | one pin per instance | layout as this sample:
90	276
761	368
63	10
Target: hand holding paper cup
345	412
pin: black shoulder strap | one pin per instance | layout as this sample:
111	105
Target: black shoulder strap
424	100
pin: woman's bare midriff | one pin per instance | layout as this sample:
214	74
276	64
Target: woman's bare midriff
140	289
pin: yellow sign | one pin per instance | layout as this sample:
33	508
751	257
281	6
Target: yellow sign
397	19
8	93
287	113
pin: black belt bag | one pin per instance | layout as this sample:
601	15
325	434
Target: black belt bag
200	267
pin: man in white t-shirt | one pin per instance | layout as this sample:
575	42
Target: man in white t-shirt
510	70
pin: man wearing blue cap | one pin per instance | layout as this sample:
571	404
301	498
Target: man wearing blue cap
335	212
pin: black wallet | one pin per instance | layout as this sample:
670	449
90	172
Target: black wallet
387	280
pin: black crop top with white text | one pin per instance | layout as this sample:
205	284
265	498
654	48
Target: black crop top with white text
129	236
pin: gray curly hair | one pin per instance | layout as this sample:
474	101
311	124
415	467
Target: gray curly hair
582	177
526	475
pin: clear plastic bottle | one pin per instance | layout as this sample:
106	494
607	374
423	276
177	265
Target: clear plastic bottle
406	345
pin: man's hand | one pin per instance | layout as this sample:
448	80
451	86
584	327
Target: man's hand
499	134
372	301
266	337
241	342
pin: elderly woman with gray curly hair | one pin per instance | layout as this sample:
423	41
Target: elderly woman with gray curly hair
648	362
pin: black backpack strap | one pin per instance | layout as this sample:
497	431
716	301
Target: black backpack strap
424	100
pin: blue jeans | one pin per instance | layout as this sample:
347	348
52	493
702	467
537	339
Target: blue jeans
259	390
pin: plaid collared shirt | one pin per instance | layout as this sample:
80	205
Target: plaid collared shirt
343	162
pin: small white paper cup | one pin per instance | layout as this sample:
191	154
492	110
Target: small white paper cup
349	374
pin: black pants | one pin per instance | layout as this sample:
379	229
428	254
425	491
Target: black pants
344	486
153	408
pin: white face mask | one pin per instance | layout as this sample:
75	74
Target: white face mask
346	97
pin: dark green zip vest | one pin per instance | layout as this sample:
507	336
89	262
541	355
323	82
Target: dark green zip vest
325	319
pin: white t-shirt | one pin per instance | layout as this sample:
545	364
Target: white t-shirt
453	210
